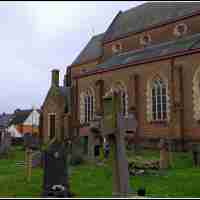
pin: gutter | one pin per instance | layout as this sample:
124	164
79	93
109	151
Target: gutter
118	67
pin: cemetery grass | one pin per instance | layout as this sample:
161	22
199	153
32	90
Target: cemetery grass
87	180
181	180
13	177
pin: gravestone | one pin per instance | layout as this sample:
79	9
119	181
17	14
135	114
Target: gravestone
77	151
120	164
5	143
55	171
196	154
36	159
95	129
115	126
164	154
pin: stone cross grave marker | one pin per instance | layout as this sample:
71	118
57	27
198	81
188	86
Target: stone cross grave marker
164	154
115	125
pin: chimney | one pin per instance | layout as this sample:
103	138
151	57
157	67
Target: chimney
17	110
55	78
67	80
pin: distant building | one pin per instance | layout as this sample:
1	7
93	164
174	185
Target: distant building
54	108
24	121
4	123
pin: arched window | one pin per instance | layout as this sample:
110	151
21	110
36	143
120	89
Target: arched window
159	100
87	106
196	94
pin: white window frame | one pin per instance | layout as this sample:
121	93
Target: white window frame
88	108
160	85
196	94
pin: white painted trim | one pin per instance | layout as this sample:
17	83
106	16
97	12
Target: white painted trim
196	94
88	93
176	31
149	111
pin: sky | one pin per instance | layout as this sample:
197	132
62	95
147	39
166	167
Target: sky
36	37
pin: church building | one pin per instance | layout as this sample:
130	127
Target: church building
151	55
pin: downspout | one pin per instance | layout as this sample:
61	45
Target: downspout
137	109
182	108
172	110
177	108
76	107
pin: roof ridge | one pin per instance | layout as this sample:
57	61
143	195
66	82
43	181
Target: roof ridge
113	21
97	35
136	7
85	48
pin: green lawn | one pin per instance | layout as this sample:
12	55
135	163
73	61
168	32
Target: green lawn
88	180
13	178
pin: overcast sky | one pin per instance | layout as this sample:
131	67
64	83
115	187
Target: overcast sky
36	37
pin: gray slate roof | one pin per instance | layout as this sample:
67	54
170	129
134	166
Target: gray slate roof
146	15
20	116
153	51
91	51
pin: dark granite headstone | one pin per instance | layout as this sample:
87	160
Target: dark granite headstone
55	171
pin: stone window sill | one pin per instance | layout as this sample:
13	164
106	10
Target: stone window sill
159	122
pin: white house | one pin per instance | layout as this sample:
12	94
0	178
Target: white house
24	121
